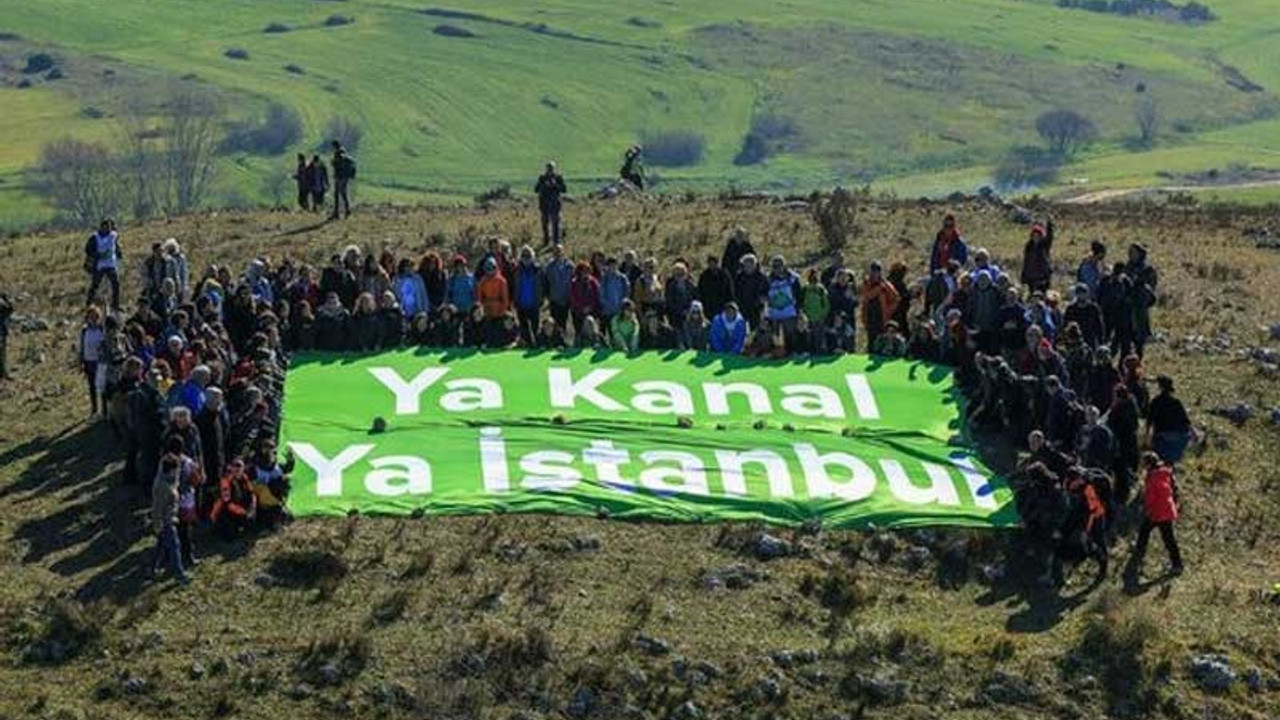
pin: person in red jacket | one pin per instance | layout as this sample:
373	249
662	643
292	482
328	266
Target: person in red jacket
237	504
1160	510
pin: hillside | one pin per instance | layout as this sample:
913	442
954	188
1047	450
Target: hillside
546	617
918	96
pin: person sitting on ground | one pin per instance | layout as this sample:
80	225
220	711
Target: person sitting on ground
390	322
694	334
841	336
364	328
656	333
446	331
625	333
588	335
891	344
271	485
549	336
729	330
331	324
924	344
419	332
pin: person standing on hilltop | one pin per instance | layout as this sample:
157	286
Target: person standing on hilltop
633	166
302	178
319	179
344	171
102	256
550	187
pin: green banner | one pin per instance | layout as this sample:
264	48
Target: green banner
853	441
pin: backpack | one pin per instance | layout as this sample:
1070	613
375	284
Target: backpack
347	168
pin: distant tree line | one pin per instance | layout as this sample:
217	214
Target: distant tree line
1192	12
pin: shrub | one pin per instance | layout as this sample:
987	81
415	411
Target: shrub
453	31
836	216
345	130
1026	166
767	136
501	192
6	36
38	63
338	20
276	27
54	74
1066	131
640	22
92	112
673	148
279	128
236	53
294	69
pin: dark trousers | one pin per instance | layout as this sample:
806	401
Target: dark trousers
168	553
4	349
317	201
579	320
528	318
184	543
340	197
304	198
1166	536
91	376
113	279
550	225
560	314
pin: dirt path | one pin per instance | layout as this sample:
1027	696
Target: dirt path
1099	196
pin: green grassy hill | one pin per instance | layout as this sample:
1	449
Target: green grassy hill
536	617
920	96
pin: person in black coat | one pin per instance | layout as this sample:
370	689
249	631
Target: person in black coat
1088	315
550	188
391	322
331	324
214	424
340	280
364	329
736	247
319	182
715	286
750	286
302	178
146	424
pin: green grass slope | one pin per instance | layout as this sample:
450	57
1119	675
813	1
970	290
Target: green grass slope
896	92
546	617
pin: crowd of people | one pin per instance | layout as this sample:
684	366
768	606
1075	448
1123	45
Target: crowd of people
191	376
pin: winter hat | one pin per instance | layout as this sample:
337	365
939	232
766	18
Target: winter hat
696	305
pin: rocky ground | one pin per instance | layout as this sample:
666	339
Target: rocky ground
544	617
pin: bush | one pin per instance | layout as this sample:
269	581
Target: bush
6	36
345	130
236	53
278	129
836	216
38	63
1026	166
767	135
502	192
453	31
673	148
640	22
338	20
276	27
1066	131
54	74
294	69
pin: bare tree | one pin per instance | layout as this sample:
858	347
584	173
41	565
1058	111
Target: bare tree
192	118
1066	131
79	178
345	130
141	158
1147	115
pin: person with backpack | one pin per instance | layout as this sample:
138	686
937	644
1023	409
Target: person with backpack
102	256
319	182
1160	512
344	171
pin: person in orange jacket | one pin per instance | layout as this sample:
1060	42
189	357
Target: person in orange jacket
237	504
879	300
494	297
1160	512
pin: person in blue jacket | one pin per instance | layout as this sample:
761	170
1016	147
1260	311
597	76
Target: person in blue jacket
530	285
615	287
461	289
728	331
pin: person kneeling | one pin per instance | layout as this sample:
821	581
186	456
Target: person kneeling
237	504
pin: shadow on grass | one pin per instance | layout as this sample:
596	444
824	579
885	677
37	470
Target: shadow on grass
1034	606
